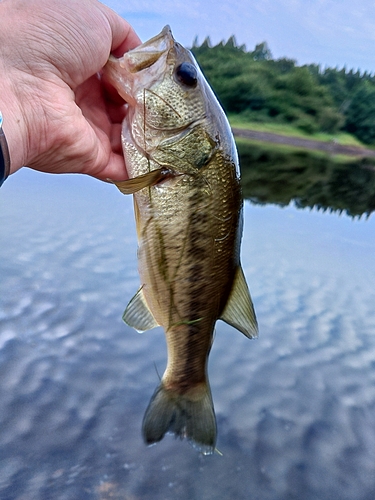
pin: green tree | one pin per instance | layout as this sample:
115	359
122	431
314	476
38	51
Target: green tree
262	52
360	114
263	89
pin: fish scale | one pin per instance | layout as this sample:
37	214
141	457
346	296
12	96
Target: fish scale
184	175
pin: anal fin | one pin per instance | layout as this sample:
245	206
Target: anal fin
239	310
138	315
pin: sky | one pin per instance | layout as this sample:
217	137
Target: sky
333	33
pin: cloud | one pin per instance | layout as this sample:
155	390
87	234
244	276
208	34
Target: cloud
329	32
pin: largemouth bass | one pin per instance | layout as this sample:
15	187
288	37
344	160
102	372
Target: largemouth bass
184	174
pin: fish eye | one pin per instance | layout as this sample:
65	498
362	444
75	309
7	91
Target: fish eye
186	73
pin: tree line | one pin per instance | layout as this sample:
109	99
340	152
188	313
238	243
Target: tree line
260	88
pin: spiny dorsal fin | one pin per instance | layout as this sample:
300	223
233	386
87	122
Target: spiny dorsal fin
138	315
239	310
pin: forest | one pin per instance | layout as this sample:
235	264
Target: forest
259	88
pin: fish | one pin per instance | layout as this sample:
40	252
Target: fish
184	176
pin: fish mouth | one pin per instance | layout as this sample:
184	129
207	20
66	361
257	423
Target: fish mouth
149	52
121	72
160	46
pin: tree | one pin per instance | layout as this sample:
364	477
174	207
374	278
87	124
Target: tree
262	52
360	114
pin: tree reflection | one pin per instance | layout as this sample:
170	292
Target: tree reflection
309	179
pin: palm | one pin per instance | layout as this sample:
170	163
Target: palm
70	124
80	132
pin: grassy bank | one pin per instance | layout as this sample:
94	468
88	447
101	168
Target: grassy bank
287	150
291	131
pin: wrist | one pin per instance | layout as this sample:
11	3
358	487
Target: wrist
14	128
4	154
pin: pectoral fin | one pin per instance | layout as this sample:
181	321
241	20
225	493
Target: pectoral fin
138	315
131	186
239	310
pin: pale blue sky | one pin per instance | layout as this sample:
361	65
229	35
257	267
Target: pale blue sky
329	32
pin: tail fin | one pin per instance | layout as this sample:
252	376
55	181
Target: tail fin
191	418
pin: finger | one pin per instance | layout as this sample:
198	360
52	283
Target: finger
110	94
114	170
124	38
115	138
89	98
128	41
104	120
116	113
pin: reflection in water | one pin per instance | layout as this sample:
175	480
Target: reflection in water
280	176
295	408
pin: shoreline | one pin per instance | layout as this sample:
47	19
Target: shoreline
331	147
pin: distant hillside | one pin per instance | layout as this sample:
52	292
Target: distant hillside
260	88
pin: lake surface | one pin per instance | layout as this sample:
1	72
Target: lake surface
295	408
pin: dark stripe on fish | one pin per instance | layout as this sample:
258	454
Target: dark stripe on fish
198	254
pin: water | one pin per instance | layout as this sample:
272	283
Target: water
295	408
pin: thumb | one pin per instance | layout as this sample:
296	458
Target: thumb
124	38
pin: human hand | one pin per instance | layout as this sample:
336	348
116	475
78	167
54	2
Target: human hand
57	115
